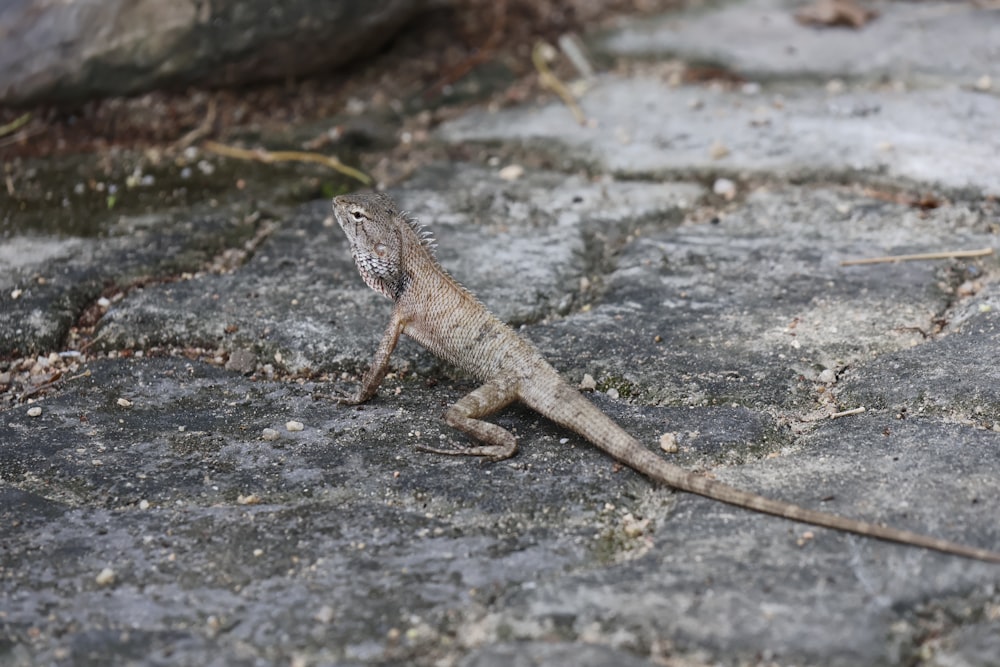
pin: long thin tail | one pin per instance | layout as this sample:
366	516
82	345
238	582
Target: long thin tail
652	465
572	410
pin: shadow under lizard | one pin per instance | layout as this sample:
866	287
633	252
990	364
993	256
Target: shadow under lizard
395	257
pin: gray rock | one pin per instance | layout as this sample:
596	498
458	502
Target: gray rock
47	282
242	361
727	323
55	51
521	247
937	138
940	43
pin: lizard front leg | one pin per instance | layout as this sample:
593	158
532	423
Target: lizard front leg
465	416
380	364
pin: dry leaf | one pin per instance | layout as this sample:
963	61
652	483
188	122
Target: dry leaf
846	13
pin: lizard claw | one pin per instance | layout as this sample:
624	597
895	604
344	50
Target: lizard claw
491	453
340	398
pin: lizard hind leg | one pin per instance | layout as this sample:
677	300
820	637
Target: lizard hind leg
464	415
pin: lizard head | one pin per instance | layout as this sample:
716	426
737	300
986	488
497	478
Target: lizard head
372	225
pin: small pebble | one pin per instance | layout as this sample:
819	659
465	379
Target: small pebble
293	426
725	188
252	499
511	172
633	527
242	361
105	577
124	403
144	504
325	614
668	443
269	434
35	411
718	150
613	393
588	383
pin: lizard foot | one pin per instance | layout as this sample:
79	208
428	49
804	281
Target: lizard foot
488	452
340	398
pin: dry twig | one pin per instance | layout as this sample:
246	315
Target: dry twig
204	128
888	259
15	124
539	56
261	155
481	55
847	413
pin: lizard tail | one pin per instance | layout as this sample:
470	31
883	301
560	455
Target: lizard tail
572	410
682	479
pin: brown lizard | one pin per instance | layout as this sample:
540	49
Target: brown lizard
396	257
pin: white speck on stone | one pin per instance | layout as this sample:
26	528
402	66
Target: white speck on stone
511	172
613	393
293	426
718	150
827	376
269	434
35	412
668	443
725	188
124	403
144	504
355	106
105	577
588	383
16	294
104	302
325	614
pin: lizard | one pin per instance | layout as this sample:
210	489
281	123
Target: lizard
396	256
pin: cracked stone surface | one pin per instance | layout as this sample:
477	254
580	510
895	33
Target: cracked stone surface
930	43
188	495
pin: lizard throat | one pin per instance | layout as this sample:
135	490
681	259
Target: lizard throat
391	285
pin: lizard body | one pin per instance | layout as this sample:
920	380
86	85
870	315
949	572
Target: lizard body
395	257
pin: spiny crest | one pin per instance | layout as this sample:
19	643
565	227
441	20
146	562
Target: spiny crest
424	234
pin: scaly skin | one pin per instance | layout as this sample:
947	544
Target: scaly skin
396	258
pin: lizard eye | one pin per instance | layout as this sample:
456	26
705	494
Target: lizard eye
357	215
